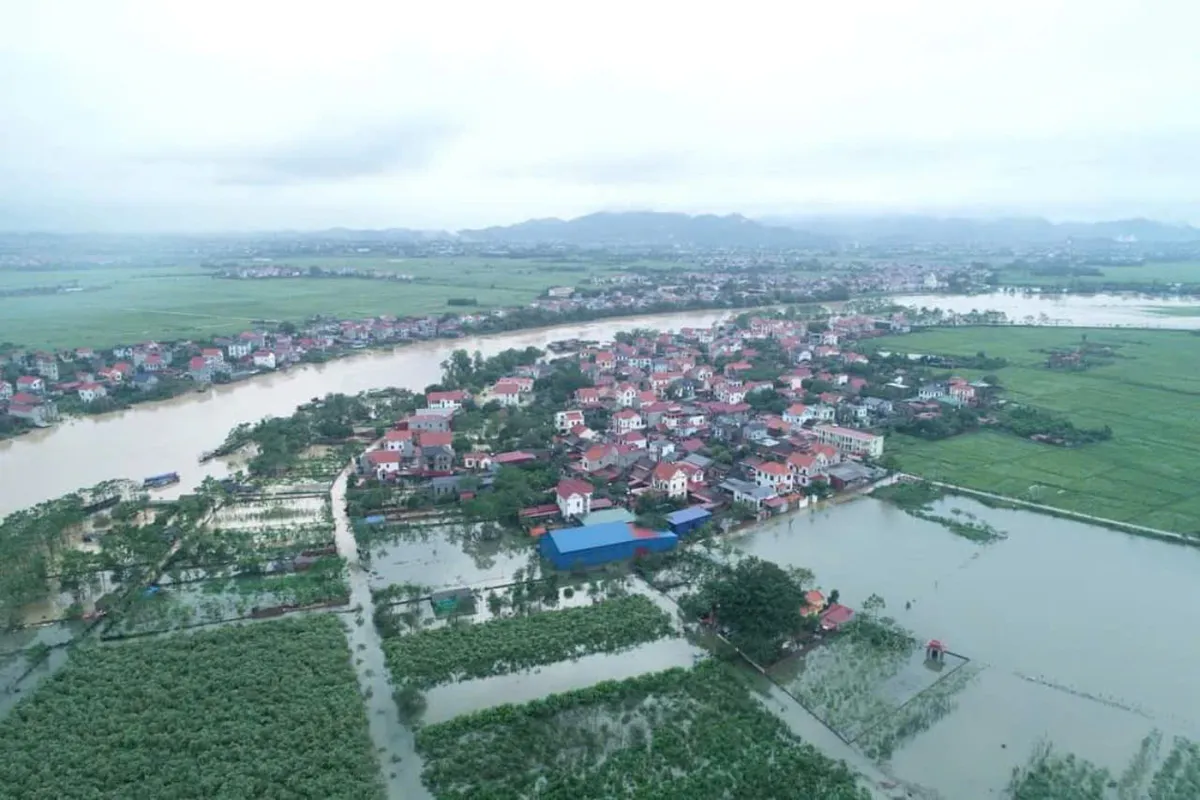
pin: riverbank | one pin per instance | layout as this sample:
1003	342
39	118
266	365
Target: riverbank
171	435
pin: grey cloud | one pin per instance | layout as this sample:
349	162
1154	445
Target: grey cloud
402	147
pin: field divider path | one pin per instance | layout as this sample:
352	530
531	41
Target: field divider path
395	742
1129	527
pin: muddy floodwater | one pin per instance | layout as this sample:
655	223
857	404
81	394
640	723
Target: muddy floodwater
170	436
1086	310
1082	636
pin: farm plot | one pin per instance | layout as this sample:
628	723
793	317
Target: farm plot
860	677
323	582
253	536
884	736
268	710
680	733
254	559
499	646
448	555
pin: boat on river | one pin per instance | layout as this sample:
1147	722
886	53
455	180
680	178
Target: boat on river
159	481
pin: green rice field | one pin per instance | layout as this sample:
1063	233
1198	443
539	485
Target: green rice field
123	304
1148	395
1158	272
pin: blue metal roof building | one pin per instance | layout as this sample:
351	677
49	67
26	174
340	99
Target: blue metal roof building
687	520
592	545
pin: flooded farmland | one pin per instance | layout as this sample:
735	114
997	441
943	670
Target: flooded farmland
1075	631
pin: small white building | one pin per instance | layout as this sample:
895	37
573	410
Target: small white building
574	497
91	392
670	479
264	359
566	420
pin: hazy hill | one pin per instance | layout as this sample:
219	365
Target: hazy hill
1006	231
649	228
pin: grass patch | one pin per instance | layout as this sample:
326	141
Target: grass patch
681	733
464	651
268	710
123	304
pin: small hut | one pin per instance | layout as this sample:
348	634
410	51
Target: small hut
935	651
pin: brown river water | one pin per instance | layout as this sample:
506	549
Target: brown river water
170	436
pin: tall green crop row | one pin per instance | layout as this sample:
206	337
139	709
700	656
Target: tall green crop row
265	710
681	733
461	652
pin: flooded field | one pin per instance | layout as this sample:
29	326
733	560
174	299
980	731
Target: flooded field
1068	641
450	556
453	700
255	557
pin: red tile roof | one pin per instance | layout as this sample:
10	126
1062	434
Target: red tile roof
434	438
572	486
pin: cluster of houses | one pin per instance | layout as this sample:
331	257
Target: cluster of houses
661	417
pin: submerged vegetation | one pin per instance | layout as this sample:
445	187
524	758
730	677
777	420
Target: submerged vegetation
843	682
265	710
916	498
1049	775
462	651
883	737
681	733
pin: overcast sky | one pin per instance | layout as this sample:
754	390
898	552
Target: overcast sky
158	115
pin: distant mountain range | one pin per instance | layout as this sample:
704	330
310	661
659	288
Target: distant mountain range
708	230
960	230
650	228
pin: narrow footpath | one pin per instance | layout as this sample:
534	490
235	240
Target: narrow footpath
1129	527
394	741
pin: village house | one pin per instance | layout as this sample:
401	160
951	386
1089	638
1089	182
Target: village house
428	420
477	460
931	391
598	456
962	391
506	393
400	441
6	390
46	365
91	392
587	396
212	356
627	420
773	475
748	493
446	400
806	467
670	479
264	359
31	384
564	421
850	440
437	457
625	394
797	414
574	497
381	463
200	370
